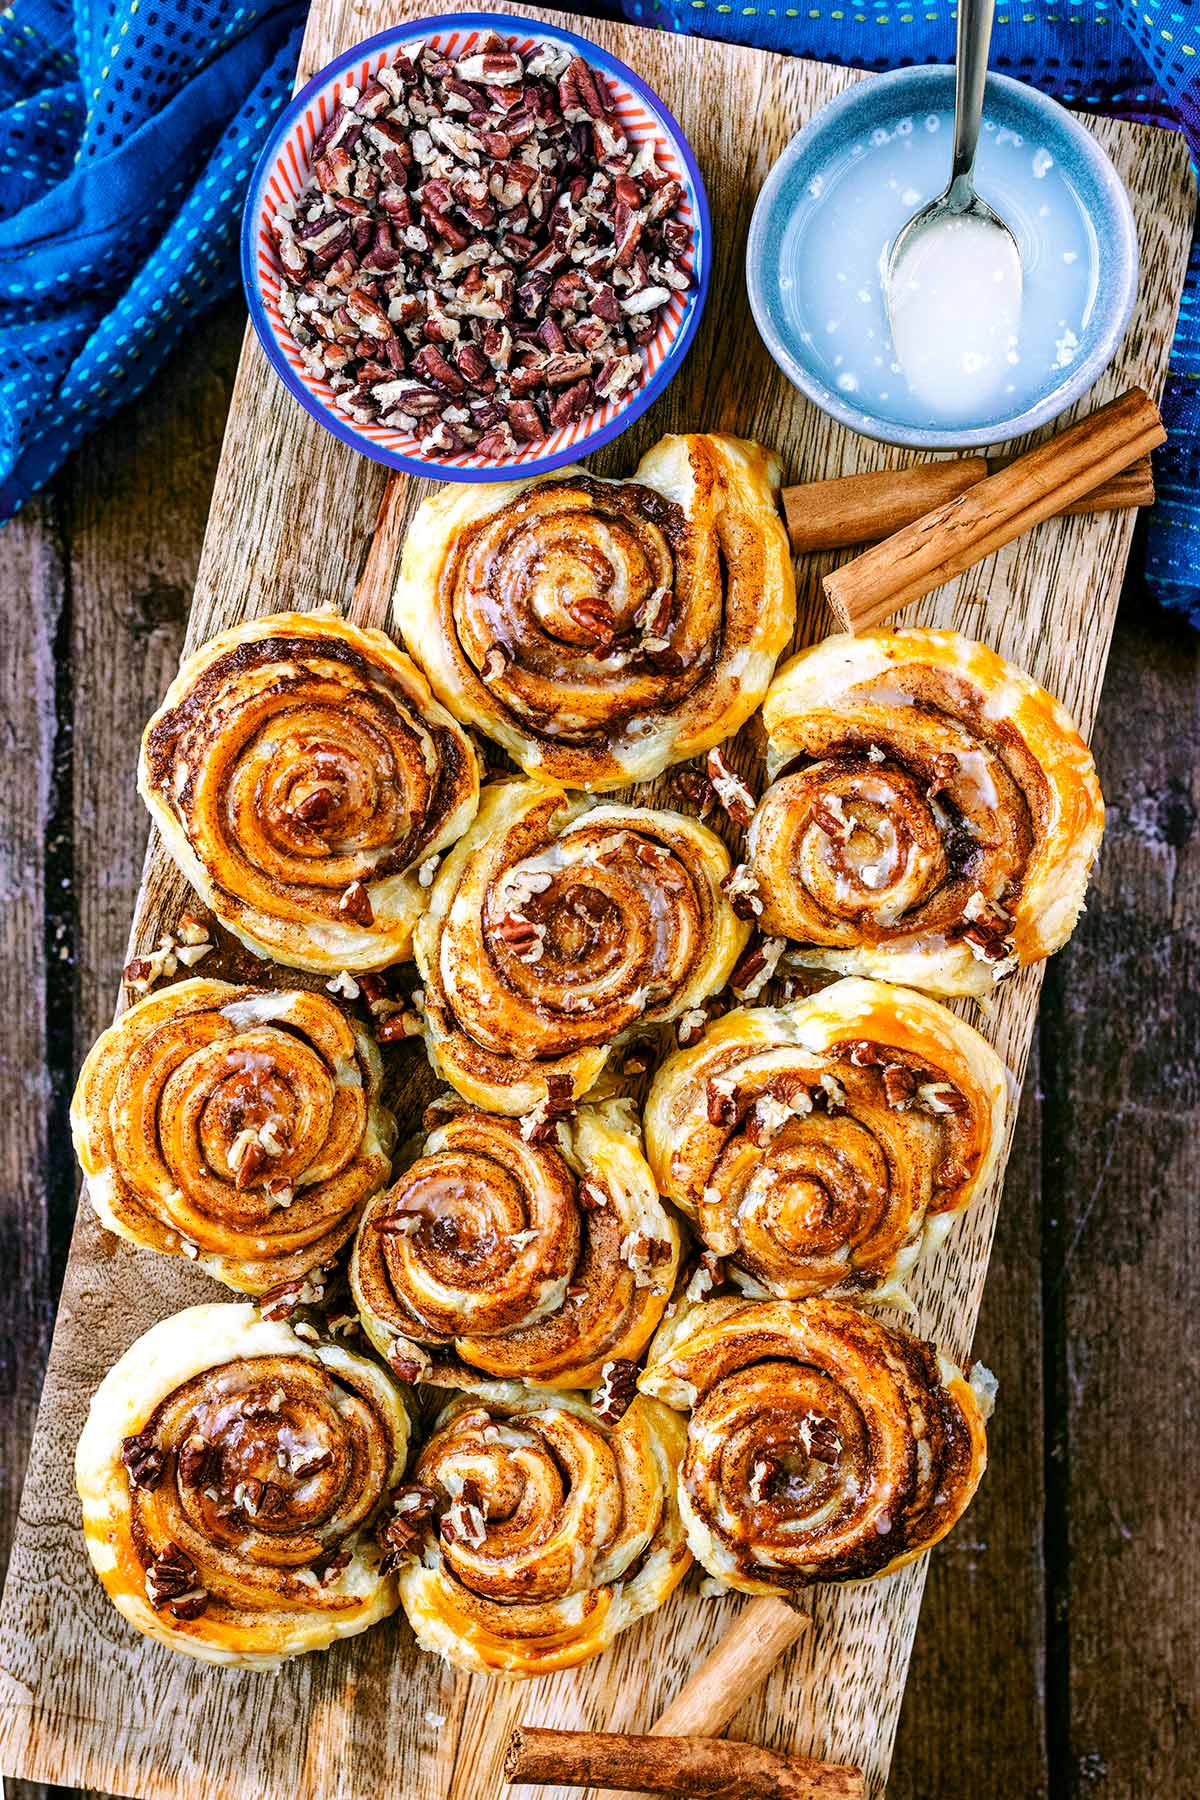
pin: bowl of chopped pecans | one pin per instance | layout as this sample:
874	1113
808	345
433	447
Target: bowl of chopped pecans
475	246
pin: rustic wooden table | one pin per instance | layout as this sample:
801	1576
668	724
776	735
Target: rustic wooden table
1056	1652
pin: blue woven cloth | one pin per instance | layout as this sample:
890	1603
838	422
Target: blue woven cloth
128	131
129	128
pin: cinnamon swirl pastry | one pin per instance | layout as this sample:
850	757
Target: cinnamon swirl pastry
555	926
534	1532
825	1146
600	630
230	1475
303	776
822	1446
236	1126
546	1261
935	815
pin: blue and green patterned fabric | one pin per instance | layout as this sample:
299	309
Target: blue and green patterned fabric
129	128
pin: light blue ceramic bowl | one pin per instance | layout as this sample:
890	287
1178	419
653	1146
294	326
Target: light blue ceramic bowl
876	102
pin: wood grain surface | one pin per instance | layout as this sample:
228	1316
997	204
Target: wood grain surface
292	516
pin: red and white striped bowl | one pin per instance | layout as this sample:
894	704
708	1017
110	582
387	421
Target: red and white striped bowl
283	170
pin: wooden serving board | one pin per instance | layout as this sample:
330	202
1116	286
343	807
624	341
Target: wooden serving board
84	1700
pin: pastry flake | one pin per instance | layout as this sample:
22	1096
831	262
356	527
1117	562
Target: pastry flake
551	1530
555	927
821	1445
548	1261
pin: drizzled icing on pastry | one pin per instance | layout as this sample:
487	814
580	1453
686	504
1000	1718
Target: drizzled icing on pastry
603	629
552	1531
230	1475
825	1146
934	814
539	1260
301	772
556	926
239	1128
822	1445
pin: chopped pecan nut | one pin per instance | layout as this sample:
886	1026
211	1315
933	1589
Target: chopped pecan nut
618	1386
899	1086
356	904
197	1462
454	196
172	1584
145	1463
720	1103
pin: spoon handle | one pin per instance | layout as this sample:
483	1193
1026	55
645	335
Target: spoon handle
971	61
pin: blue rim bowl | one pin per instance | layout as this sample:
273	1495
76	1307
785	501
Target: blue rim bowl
283	168
864	105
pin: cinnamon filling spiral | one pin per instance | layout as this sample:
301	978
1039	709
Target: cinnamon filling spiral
822	1446
555	927
601	629
526	1259
230	1476
551	1532
825	1146
570	582
270	1465
934	810
239	1127
301	770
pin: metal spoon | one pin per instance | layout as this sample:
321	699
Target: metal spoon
960	198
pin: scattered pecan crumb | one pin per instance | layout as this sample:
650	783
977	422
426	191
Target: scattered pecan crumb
730	789
742	891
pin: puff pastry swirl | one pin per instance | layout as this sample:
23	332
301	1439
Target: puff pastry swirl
826	1145
933	817
542	1261
301	773
237	1126
601	630
551	1531
230	1475
822	1445
556	925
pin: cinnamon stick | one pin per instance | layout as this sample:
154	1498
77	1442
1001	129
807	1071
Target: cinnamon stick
695	1766
963	531
738	1664
862	509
